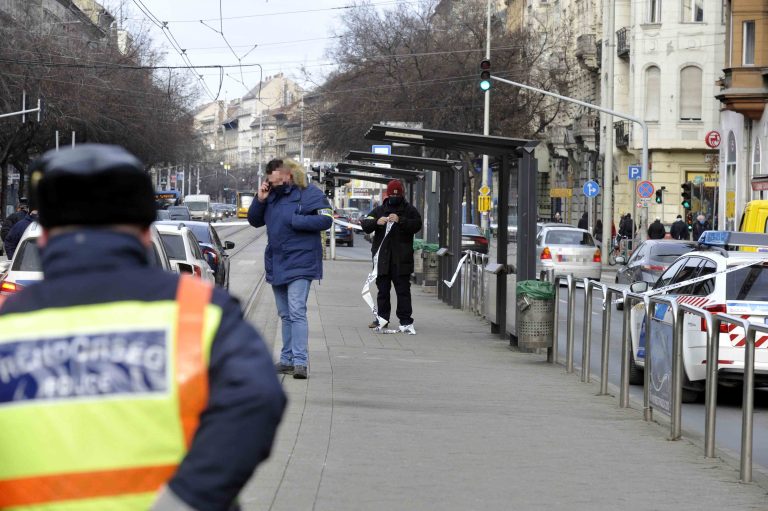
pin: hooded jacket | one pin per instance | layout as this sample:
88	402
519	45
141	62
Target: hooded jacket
294	217
397	248
679	230
17	231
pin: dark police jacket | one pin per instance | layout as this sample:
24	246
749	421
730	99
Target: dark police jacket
679	230
9	222
245	402
397	248
11	241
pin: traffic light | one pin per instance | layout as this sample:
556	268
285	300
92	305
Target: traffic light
659	196
686	194
485	75
689	221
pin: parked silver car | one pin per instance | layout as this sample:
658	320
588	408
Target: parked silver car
568	250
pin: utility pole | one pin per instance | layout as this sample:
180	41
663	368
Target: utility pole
484	224
261	147
607	103
301	142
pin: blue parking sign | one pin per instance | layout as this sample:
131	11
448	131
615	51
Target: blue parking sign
635	172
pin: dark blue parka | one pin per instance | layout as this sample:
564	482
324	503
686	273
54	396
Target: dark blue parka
245	402
294	218
17	231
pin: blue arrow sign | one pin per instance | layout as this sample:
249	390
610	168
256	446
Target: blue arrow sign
591	188
635	172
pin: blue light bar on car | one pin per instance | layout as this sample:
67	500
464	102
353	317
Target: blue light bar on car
733	239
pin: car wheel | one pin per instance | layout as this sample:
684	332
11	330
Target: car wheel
635	371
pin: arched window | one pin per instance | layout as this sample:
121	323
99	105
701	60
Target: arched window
757	169
690	93
652	93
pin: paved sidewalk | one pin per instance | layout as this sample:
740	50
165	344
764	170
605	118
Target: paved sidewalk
452	419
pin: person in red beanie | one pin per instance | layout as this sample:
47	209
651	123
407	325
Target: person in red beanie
395	253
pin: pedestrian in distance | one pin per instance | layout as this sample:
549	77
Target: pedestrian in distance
395	254
598	231
656	230
627	227
11	241
295	214
583	222
8	223
679	229
557	219
141	389
701	226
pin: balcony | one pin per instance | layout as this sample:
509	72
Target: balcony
745	91
585	129
622	43
622	130
586	51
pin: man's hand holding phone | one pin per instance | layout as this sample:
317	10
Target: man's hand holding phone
264	191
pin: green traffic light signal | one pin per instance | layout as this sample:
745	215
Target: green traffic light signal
485	75
686	194
659	196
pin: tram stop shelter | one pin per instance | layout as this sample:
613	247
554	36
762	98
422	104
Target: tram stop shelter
514	156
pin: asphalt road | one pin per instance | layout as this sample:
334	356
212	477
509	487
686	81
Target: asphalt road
728	428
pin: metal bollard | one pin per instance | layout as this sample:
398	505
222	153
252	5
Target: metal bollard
647	409
604	352
626	349
586	344
552	356
748	401
571	318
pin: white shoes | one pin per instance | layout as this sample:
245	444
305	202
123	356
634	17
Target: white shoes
408	329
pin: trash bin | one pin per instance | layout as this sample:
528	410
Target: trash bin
430	264
535	314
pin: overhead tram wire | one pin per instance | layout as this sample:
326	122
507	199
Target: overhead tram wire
165	29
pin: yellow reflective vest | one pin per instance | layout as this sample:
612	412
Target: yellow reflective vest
99	403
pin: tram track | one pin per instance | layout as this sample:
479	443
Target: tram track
251	300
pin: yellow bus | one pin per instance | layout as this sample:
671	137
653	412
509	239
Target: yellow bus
244	200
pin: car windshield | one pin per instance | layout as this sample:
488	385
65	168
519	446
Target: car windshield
196	206
174	246
200	232
749	284
471	230
667	252
568	237
27	257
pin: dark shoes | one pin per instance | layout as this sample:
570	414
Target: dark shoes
283	368
374	324
300	373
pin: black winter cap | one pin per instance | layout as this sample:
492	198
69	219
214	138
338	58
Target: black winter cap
91	184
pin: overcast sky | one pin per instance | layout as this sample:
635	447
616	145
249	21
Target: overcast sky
287	35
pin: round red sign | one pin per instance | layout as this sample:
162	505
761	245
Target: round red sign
712	139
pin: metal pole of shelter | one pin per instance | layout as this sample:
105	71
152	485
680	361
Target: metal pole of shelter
501	250
631	118
484	223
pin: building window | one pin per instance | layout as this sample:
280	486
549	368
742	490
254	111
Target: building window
690	94
693	11
652	93
654	11
730	183
749	44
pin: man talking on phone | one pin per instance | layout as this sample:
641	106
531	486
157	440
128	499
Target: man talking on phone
295	213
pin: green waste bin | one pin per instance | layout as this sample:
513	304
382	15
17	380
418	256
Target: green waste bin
430	263
535	314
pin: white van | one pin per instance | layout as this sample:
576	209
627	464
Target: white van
199	207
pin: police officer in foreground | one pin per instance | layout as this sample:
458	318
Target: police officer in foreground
123	386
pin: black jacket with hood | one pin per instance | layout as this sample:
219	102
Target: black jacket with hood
397	248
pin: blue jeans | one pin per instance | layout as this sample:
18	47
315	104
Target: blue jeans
291	300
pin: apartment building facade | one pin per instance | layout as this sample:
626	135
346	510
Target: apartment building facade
667	62
743	96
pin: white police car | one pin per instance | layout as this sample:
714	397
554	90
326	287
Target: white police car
739	287
26	267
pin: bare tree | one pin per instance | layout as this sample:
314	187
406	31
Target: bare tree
421	64
92	88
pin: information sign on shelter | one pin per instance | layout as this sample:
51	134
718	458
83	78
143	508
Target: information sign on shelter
484	190
561	193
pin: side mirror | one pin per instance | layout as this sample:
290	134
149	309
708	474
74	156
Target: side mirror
639	287
228	245
621	260
5	266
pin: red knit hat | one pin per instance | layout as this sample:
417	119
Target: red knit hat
395	187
